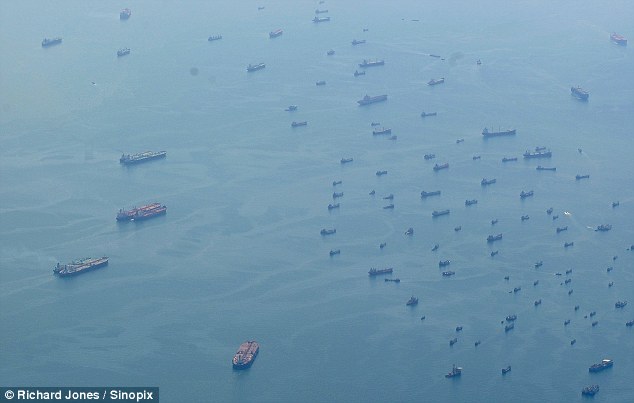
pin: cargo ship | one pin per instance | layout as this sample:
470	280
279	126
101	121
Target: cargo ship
297	124
276	33
485	181
455	371
524	194
330	52
358	73
579	92
375	272
425	114
214	38
487	133
371	63
432	193
318	11
321	19
125	14
541	168
436	81
438	167
618	39
620	304
579	177
493	238
79	266
604	227
367	100
128	159
509	159
357	42
142	213
604	364
46	42
470	202
346	160
123	52
254	67
436	213
429	156
246	354
538	154
383	130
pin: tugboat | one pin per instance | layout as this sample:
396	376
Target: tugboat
590	390
455	371
505	370
604	227
412	301
524	194
604	364
375	272
245	355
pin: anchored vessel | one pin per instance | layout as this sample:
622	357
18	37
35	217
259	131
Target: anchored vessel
487	133
321	19
579	92
128	159
384	130
125	14
246	354
375	272
538	154
439	213
254	67
590	390
435	81
618	39
79	266
276	33
123	52
493	238
541	168
214	38
432	193
438	167
455	371
50	42
142	213
366	100
357	42
371	63
425	114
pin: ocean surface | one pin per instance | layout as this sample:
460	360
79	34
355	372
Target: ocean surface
239	255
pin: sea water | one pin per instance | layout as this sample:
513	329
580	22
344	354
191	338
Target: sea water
239	255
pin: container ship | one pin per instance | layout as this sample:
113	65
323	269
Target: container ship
79	266
246	354
618	39
371	63
128	159
254	67
142	213
487	133
123	52
46	42
579	92
367	100
276	33
125	14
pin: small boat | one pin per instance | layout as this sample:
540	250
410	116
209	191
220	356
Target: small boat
568	244
357	42
620	304
549	211
123	52
375	124
335	183
436	81
506	278
538	302
477	343
458	328
358	73
410	231
525	217
604	227
382	245
214	38
476	157
275	33
524	194
255	67
449	274
297	124
511	318
372	193
325	231
455	371
560	229
321	19
291	108
596	322
478	62
452	342
593	313
320	82
384	130
505	370
330	52
609	269
388	207
412	301
579	93
381	173
461	140
579	177
458	228
590	390
485	181
576	307
573	341
568	271
570	292
429	156
394	280
615	204
494	221
535	282
333	206
541	168
618	39
346	160
435	248
494	253
444	263
334	252
517	289
336	195
539	264
470	202
507	159
425	114
629	323
556	216
389	197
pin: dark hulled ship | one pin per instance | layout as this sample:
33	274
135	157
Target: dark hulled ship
46	42
79	266
486	133
366	100
142	213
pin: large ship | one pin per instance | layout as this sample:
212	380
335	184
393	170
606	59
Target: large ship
123	52
524	194
425	114
276	33
493	238
246	354
254	67
455	371
375	272
321	19
46	42
438	167
214	38
485	181
487	133
128	159
437	213
125	14
79	266
604	227
538	154
357	42
297	124
618	39
412	301
384	130
371	63
318	11
590	390
601	366
366	100
142	213
432	193
541	168
435	81
579	93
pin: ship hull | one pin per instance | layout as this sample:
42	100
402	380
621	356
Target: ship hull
134	161
102	263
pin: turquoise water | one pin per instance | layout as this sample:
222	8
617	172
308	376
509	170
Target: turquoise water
239	256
